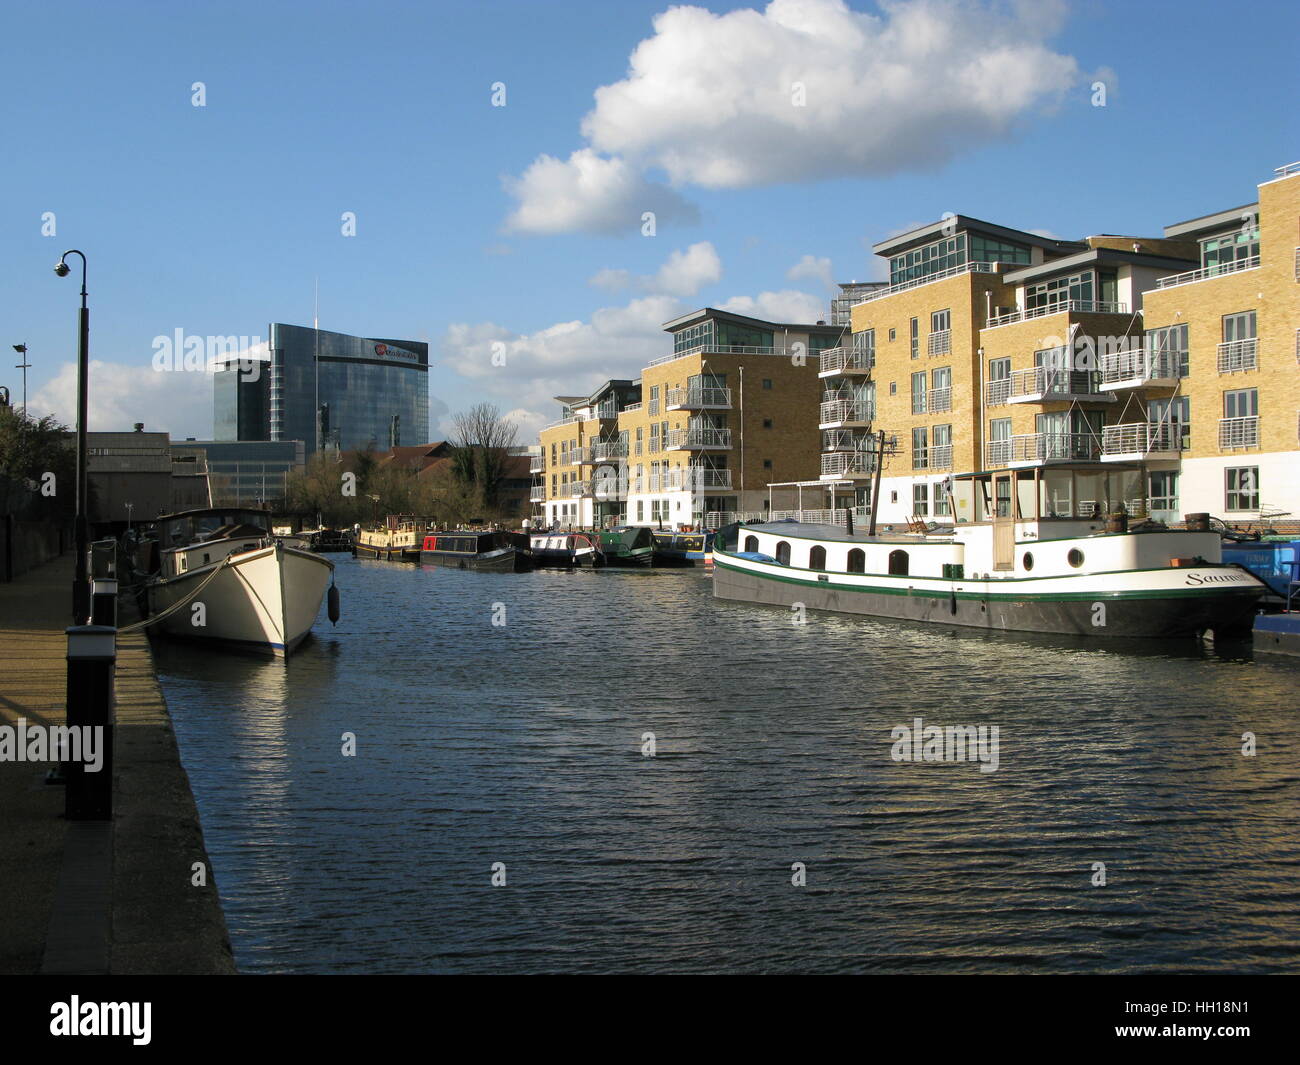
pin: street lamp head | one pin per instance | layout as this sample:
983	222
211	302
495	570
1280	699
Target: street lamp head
21	349
62	269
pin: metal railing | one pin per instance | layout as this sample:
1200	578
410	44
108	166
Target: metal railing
1141	438
844	410
996	393
1048	381
719	349
716	519
841	440
1217	270
610	451
940	457
577	489
1239	432
846	463
694	438
846	360
691	478
704	396
1042	447
537	495
537	463
1137	366
940	399
1057	307
1288	170
570	420
1238	355
631	408
917	282
575	456
861	515
939	343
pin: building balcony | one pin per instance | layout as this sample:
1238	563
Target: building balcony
575	457
611	451
997	393
842	440
1206	272
632	408
1044	384
845	362
702	398
939	343
1058	307
693	478
940	400
937	457
1238	432
1236	356
698	439
1037	449
848	465
928	279
719	349
844	413
536	463
537	494
1141	368
577	489
1136	441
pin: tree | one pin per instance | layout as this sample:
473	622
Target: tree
482	440
30	452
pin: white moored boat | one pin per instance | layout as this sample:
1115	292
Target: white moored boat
223	577
1009	563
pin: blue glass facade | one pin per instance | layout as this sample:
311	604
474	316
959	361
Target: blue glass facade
371	391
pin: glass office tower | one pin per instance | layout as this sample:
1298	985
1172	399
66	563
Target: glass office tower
364	391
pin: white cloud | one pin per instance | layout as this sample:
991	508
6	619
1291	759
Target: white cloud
813	267
610	279
591	194
686	272
174	401
788	305
710	100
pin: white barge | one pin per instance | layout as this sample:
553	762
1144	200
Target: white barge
1009	567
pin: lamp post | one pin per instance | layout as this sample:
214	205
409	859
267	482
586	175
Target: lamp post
81	581
24	366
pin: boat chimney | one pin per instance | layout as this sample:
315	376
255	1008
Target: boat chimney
848	520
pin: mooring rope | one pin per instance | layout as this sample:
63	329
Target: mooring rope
177	605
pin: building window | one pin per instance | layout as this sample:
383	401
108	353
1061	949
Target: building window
767	383
940	342
783	553
1076	288
916	337
893	333
767	423
941	448
857	561
1231	248
898	563
1162	490
864	347
918	392
1169	342
767	464
817	557
1242	488
921	499
920	448
942	501
640	510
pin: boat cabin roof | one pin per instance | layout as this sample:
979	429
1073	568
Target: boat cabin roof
801	530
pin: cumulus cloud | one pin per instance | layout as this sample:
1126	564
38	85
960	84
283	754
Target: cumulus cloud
174	401
802	90
683	273
590	194
788	305
813	267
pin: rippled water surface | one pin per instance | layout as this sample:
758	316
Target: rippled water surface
521	744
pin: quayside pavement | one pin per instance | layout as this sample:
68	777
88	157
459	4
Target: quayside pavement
97	897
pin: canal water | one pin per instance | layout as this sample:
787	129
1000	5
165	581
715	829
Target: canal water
518	745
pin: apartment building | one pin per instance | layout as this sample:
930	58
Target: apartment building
1221	366
579	473
727	413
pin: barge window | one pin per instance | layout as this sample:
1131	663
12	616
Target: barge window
857	561
1075	557
1028	561
751	543
898	563
783	553
817	558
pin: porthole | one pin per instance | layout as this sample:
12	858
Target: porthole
1075	557
1028	561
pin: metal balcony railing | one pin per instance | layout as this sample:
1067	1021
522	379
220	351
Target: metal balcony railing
694	439
1142	438
940	399
1051	383
839	411
692	478
704	397
611	451
848	464
996	393
1238	355
940	456
575	456
929	279
1042	447
537	463
720	349
577	489
846	360
1058	307
1239	432
537	495
1136	367
841	440
861	516
939	343
1217	270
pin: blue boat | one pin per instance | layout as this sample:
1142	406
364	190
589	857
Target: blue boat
1269	560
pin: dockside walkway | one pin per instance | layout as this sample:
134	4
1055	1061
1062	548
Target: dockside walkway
97	897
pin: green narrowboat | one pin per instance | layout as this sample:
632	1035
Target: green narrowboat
629	545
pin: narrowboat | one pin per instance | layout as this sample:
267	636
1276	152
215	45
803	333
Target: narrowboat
628	545
222	577
682	548
1272	561
501	551
566	550
1013	563
398	541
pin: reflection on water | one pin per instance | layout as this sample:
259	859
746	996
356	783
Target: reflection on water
479	743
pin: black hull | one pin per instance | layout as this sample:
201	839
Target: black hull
1228	613
388	554
564	560
511	562
630	561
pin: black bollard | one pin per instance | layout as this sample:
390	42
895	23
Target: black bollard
92	657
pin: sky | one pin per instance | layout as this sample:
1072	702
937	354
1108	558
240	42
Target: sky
477	175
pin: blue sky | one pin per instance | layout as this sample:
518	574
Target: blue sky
216	220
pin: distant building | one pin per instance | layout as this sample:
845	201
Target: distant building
348	392
243	472
129	475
